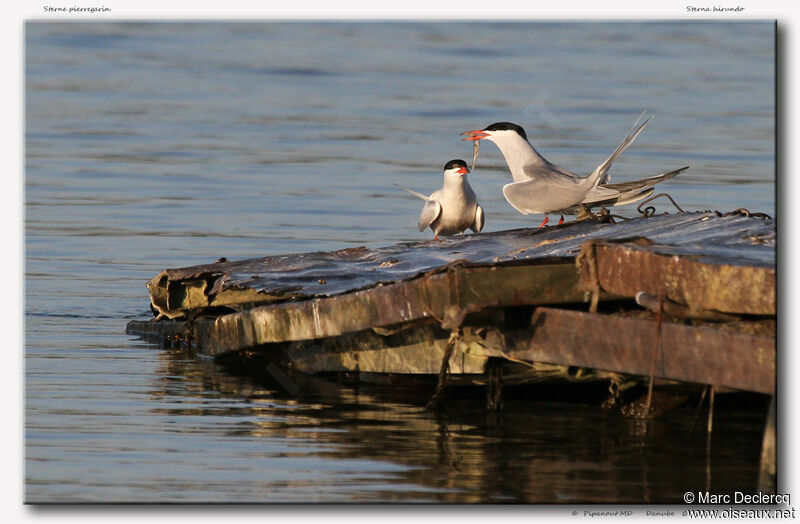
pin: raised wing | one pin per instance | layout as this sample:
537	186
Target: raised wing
602	170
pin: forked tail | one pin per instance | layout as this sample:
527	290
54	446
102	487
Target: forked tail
420	195
602	170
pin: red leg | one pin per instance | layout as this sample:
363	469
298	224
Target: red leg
546	218
436	236
561	221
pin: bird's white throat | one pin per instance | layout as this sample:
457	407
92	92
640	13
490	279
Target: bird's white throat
518	153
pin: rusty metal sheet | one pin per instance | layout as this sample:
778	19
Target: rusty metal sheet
402	356
701	282
321	274
700	355
417	351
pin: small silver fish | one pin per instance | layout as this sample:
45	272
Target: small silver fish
476	146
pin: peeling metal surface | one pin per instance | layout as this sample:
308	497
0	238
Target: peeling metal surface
319	274
700	355
416	351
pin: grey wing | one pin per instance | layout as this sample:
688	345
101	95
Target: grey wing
550	171
549	189
480	219
430	211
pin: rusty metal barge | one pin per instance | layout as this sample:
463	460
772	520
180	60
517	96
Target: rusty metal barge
653	304
582	295
686	298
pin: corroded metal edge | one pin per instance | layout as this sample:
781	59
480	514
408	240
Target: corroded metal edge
700	283
612	343
425	297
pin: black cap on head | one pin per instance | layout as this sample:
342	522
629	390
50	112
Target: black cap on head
453	164
507	126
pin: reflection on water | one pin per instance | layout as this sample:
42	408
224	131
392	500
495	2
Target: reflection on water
146	424
154	145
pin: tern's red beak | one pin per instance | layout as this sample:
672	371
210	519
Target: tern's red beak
463	171
476	134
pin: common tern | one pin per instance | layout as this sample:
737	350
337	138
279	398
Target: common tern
542	187
453	208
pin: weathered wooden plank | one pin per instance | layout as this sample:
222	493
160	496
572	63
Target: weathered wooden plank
421	298
700	282
625	345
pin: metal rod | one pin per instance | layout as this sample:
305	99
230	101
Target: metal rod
697	411
710	425
656	349
650	210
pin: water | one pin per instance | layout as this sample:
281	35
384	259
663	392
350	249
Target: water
153	145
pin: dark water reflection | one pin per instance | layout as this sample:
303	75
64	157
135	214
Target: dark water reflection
371	443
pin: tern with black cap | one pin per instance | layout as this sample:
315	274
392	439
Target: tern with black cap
540	186
453	208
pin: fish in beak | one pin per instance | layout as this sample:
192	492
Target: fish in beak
475	134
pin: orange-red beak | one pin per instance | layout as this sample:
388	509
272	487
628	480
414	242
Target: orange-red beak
463	171
476	134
